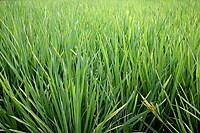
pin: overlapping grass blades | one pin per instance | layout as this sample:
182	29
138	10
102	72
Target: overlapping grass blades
84	66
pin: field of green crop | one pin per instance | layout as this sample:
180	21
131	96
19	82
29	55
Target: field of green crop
99	66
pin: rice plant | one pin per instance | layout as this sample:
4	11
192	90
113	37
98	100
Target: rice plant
99	66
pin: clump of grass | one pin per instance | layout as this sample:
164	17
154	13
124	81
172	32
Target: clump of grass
99	66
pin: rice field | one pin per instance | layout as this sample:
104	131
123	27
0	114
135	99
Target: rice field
99	66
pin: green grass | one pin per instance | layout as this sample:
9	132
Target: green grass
99	66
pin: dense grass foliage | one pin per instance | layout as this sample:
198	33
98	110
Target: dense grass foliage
99	66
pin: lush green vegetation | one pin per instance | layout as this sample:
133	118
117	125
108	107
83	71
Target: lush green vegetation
99	66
